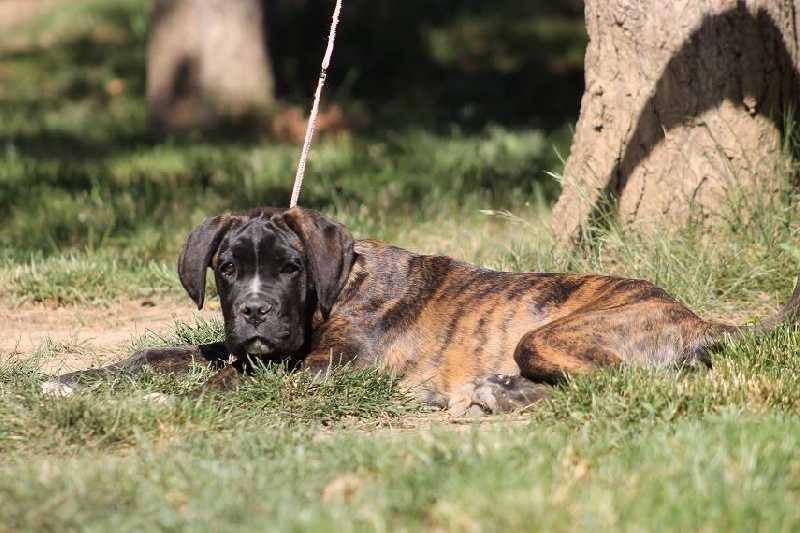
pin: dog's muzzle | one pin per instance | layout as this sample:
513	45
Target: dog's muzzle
257	329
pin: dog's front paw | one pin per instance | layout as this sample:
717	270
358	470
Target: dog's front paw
496	394
54	387
462	402
160	398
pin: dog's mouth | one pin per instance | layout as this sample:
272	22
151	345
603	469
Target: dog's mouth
266	349
259	347
275	344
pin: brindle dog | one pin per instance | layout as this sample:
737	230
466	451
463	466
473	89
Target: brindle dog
296	288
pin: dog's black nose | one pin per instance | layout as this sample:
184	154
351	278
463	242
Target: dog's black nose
255	310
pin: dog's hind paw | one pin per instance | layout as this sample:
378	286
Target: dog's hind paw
56	388
160	398
496	394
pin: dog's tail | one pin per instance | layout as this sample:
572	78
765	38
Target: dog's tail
716	335
789	314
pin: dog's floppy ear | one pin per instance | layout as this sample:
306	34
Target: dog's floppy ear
197	254
329	251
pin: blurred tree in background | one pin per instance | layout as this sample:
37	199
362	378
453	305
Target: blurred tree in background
404	62
450	104
207	64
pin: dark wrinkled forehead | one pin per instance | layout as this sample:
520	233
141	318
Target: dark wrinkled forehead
262	236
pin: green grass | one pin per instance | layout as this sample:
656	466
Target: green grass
631	450
96	213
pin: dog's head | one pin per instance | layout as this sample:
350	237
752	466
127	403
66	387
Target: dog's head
273	269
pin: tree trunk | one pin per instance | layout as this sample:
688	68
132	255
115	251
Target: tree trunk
683	110
207	64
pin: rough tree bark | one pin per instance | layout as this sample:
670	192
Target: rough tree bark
683	99
207	64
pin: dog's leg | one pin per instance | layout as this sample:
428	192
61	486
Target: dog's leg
177	360
228	378
646	334
496	394
580	343
544	356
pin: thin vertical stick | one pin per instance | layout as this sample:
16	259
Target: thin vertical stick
312	119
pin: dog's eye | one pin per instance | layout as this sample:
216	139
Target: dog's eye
228	269
289	268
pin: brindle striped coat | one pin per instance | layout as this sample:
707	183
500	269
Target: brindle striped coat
296	287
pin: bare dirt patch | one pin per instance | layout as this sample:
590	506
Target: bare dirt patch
76	337
16	12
